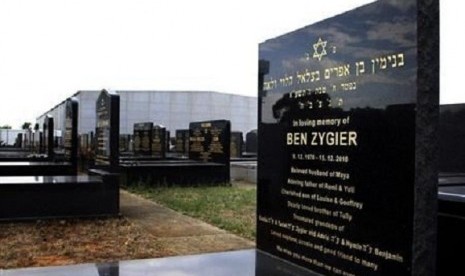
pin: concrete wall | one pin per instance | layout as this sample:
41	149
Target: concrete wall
8	136
173	109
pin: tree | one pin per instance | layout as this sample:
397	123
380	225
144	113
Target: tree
26	125
5	127
36	127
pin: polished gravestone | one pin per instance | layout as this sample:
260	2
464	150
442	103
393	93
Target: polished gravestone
209	141
85	151
38	165
150	143
251	141
71	132
41	142
347	171
451	225
39	197
24	149
182	141
124	140
107	131
237	142
233	263
19	141
143	139
208	163
31	168
106	163
452	138
168	141
451	205
48	128
37	190
159	141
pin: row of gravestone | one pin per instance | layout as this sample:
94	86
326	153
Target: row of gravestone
347	167
25	147
32	188
207	162
153	140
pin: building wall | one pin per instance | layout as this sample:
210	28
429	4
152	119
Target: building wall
173	109
8	136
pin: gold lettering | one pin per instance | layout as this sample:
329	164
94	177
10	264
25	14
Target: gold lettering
296	138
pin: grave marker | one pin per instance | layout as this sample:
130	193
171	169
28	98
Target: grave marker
347	172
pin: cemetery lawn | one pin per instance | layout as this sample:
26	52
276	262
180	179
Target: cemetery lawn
231	208
74	241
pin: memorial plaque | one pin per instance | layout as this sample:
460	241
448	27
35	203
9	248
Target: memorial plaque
70	137
48	136
159	141
107	130
143	139
347	169
236	144
209	141
452	138
182	141
251	141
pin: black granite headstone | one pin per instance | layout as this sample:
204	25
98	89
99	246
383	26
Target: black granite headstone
41	142
107	131
182	141
209	141
19	140
251	141
143	139
168	140
237	142
347	169
124	142
84	144
48	136
159	141
452	138
71	136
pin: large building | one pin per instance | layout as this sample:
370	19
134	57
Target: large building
173	109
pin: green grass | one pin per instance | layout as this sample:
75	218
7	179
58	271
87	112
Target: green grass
230	208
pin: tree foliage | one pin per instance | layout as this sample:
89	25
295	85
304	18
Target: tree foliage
26	125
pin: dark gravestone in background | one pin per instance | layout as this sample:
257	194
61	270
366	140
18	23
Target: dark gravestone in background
71	135
84	144
251	141
41	142
210	141
107	131
168	140
124	142
48	136
143	139
452	138
159	141
19	140
347	168
236	144
182	141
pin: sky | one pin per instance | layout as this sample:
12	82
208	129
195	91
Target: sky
50	49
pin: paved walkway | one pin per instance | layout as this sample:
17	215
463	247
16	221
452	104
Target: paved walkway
181	234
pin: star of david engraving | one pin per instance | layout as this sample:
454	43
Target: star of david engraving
319	49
